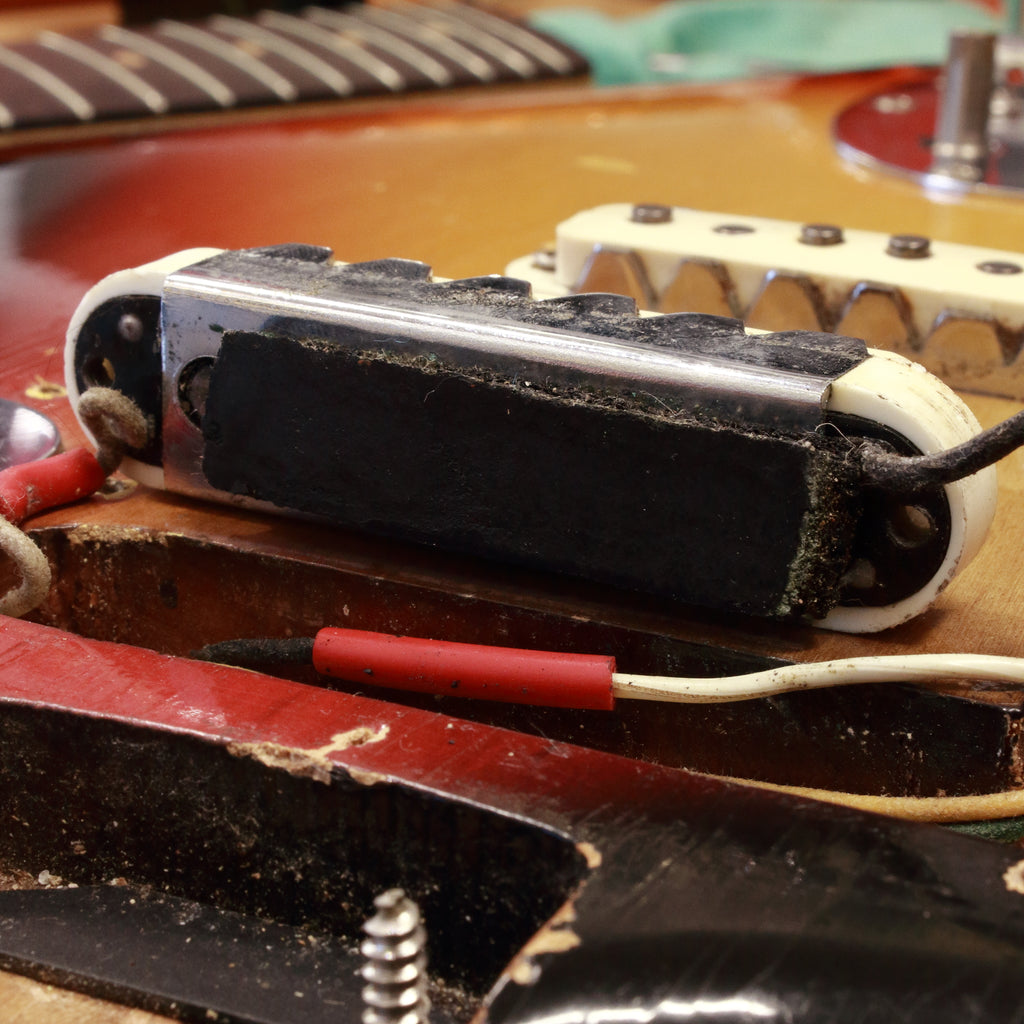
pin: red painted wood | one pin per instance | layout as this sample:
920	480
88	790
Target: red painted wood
55	671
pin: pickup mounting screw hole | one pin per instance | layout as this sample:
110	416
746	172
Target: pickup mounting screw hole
862	575
911	526
98	372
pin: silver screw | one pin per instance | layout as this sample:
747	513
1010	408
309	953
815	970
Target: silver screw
894	103
396	961
909	247
960	149
130	328
1000	267
651	213
544	259
821	234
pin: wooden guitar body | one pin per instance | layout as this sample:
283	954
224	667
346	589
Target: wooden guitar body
466	182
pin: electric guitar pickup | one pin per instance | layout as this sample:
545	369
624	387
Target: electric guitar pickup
957	309
468	416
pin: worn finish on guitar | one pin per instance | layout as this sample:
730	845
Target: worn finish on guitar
467	183
490	177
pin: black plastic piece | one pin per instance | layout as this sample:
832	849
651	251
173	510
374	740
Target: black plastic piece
107	355
175	956
490	283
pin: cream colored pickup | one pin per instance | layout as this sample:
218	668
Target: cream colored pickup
957	309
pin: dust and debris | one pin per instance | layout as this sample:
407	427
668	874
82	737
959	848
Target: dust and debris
1014	736
590	853
314	763
101	534
301	763
1013	878
556	936
44	390
16	878
28	999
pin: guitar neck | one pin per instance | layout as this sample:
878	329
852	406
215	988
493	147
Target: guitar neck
113	73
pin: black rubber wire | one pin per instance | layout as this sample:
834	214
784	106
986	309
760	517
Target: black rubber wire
909	474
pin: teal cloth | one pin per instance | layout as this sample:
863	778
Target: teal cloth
1005	830
710	40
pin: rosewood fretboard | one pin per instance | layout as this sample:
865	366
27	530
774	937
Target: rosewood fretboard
223	62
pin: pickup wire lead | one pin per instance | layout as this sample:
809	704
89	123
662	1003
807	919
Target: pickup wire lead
910	474
116	423
33	487
581	681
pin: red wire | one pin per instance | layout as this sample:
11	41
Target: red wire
466	670
58	480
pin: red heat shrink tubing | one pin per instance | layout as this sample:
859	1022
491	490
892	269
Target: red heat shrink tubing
466	670
47	483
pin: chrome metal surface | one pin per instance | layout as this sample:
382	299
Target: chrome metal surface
395	962
25	435
960	149
957	132
247	291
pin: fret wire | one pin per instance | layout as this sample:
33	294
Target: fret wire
176	62
515	60
346	48
397	47
539	49
244	62
284	48
100	62
49	83
430	36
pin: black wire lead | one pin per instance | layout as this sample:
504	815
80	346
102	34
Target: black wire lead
267	651
909	474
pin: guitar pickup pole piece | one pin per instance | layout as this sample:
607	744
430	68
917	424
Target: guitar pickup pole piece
676	455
